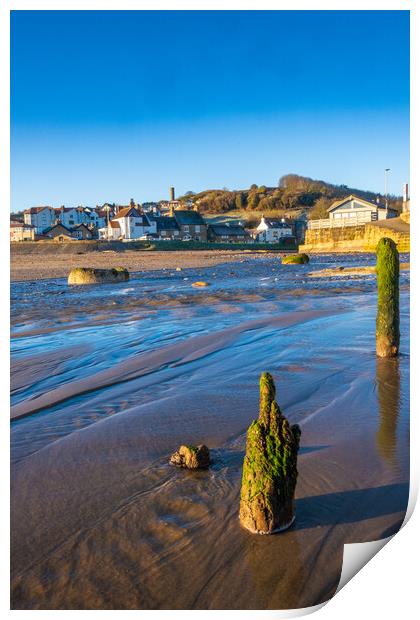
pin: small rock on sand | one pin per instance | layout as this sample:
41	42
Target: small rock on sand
200	284
191	457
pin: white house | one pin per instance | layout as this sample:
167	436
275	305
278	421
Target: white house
358	210
128	223
40	218
270	231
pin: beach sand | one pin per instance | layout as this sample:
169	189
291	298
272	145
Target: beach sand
50	264
99	518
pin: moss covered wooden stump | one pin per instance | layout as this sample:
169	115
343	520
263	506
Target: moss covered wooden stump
388	314
269	472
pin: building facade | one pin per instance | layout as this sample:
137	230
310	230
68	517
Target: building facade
228	233
40	218
59	232
167	228
359	211
129	223
19	231
191	225
271	231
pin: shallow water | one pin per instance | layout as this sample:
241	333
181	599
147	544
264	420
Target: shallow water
109	380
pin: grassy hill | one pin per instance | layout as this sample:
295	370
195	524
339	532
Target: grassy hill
293	195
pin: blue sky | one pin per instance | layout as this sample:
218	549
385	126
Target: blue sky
110	105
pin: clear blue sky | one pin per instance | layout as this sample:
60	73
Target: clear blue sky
110	105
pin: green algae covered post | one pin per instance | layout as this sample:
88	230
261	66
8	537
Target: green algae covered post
269	472
388	313
267	396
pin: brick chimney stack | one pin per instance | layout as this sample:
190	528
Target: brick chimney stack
171	193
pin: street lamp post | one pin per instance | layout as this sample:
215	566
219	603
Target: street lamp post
387	170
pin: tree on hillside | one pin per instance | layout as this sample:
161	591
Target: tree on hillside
320	209
253	200
240	201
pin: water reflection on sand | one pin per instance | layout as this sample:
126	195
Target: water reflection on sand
112	379
388	383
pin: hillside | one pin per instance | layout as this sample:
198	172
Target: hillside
293	195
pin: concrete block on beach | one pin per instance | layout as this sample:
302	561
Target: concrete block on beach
87	275
269	472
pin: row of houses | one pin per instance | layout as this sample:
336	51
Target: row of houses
133	222
19	231
188	225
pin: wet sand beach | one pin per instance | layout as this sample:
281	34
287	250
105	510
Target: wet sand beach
108	381
53	264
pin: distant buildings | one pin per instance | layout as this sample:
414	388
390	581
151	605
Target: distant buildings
228	233
360	210
271	231
171	220
191	225
19	231
129	223
353	211
167	228
40	218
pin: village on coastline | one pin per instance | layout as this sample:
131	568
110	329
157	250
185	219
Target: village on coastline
353	224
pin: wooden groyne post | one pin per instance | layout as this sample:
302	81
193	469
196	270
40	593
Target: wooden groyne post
388	313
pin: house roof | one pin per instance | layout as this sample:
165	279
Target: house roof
19	224
33	210
232	230
188	218
276	224
60	227
81	226
165	223
131	212
368	203
128	212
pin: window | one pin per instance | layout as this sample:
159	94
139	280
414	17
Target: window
198	229
186	228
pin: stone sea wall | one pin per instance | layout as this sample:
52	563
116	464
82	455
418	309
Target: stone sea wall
362	238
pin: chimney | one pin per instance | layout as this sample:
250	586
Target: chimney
171	211
171	193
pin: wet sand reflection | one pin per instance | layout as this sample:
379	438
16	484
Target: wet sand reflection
388	382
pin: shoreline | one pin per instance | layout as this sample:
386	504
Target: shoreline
24	267
350	271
